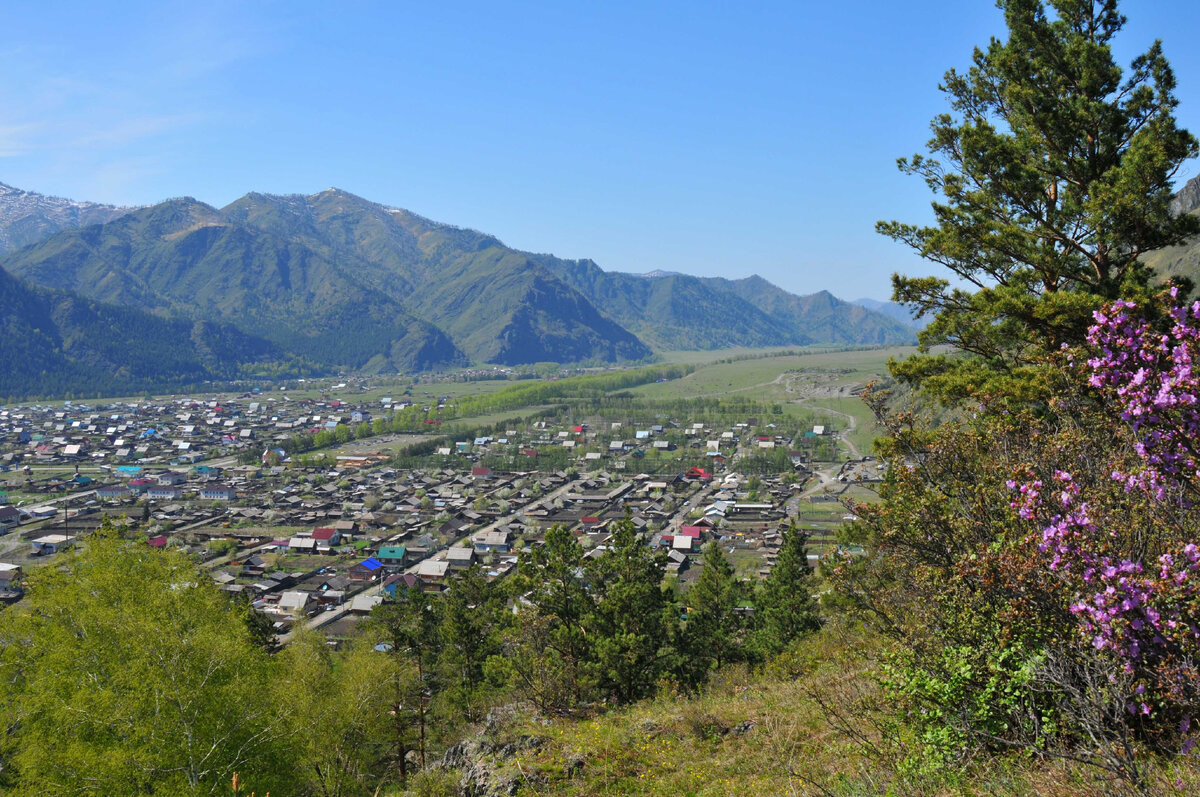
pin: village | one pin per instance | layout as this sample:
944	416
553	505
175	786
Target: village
322	543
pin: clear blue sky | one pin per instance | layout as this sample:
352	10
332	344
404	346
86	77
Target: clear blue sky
710	138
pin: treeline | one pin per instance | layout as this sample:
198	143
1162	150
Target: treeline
424	418
128	672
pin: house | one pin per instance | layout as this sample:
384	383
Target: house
400	582
367	570
432	573
481	473
51	544
677	562
292	603
327	537
113	492
392	555
363	604
164	493
170	478
10	517
8	574
217	493
460	558
157	542
302	545
487	541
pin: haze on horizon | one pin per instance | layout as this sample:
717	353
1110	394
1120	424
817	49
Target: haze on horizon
694	138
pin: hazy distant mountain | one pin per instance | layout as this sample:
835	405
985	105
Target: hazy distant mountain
347	283
677	311
895	311
26	217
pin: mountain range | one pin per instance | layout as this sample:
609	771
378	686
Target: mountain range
332	281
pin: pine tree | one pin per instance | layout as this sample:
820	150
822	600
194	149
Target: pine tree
713	623
1055	176
549	648
785	608
409	625
633	618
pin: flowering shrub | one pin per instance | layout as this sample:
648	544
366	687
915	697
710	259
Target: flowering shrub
1153	379
1145	612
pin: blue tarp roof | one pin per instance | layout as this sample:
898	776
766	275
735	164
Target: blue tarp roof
371	563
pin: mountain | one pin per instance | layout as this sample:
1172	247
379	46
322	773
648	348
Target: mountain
498	304
184	258
1188	198
823	317
57	343
893	310
678	311
343	282
1182	260
27	217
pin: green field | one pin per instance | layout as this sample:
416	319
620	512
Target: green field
765	378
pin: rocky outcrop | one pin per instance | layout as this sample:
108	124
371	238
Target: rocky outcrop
487	769
1188	198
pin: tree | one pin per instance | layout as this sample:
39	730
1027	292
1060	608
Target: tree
342	727
714	625
785	607
1006	560
1055	176
130	672
548	649
634	617
471	620
408	624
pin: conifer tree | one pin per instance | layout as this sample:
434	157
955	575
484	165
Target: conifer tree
548	648
785	608
1054	171
633	618
713	623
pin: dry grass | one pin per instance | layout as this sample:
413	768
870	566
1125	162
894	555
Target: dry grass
814	723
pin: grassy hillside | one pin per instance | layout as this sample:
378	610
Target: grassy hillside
812	723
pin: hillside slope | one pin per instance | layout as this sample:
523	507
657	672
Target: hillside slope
56	343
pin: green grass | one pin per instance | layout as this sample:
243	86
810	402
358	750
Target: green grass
766	378
866	429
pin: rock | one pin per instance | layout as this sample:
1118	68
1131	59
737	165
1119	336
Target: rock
1188	198
485	768
573	766
742	728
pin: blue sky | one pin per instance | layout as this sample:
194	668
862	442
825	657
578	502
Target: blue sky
719	139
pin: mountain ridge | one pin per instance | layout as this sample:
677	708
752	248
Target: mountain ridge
347	283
